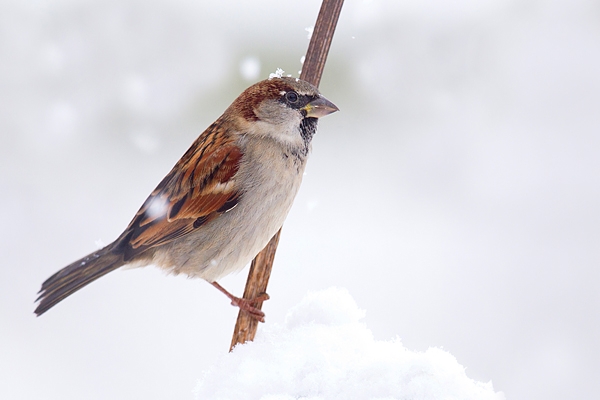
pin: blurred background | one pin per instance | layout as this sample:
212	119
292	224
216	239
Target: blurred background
456	195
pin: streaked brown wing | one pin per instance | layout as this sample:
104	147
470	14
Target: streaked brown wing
199	188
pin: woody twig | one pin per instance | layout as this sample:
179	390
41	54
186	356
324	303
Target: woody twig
260	270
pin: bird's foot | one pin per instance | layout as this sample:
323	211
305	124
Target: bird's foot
248	305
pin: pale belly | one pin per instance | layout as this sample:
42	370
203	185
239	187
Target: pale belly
229	242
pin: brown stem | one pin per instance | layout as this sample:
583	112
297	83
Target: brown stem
258	278
260	270
320	42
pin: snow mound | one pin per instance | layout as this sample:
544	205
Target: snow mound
277	74
323	351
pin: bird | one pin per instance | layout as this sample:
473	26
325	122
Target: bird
223	200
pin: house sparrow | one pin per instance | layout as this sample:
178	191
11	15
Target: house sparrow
223	200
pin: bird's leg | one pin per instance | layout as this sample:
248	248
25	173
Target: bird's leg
248	305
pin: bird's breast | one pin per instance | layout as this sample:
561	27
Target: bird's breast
269	180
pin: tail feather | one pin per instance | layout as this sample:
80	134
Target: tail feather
75	276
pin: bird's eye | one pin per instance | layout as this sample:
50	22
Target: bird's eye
291	97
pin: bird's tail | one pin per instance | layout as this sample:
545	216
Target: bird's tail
75	276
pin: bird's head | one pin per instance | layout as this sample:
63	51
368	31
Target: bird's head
285	108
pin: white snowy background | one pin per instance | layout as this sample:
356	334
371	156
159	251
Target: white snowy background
455	196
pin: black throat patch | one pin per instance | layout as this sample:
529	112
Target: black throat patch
308	128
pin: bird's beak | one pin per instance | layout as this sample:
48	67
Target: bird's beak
319	108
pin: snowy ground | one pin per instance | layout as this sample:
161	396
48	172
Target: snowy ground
324	351
455	196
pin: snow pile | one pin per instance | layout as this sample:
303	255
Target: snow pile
323	352
277	74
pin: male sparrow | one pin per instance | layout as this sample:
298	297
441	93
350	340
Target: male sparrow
223	200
